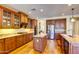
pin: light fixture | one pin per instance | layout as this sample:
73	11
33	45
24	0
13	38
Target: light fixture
62	14
41	10
69	4
72	18
73	22
29	12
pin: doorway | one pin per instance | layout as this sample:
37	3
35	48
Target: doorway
59	26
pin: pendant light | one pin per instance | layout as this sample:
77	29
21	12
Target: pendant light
73	22
72	18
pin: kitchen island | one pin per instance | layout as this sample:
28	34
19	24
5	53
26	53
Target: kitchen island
9	42
69	45
39	42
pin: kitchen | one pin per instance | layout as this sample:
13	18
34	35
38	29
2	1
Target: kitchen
21	33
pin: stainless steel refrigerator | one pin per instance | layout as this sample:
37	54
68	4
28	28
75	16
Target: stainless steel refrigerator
51	32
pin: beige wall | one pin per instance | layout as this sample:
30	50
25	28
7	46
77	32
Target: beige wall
41	26
69	26
76	27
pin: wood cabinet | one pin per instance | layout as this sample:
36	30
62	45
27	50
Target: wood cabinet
8	19
30	37
23	17
33	23
63	44
16	21
39	43
12	19
10	43
20	40
1	46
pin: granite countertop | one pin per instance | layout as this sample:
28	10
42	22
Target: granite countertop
74	39
2	36
8	35
40	35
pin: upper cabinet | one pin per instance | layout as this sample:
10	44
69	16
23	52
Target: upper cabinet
9	18
6	19
17	21
33	23
23	17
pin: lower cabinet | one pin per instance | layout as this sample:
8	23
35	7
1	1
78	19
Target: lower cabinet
66	46
63	44
1	45
9	44
24	39
30	37
19	41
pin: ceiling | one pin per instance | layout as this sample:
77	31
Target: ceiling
46	10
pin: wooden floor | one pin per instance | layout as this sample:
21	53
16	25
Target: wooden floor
51	48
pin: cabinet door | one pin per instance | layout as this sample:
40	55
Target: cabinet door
22	18
10	44
1	46
6	19
30	37
25	38
19	41
66	46
26	19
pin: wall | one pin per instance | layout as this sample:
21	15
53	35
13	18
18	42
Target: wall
69	26
76	27
42	22
41	25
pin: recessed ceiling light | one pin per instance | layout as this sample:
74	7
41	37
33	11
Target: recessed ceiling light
41	10
69	4
29	12
62	14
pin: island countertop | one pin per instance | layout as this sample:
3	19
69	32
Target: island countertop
40	35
